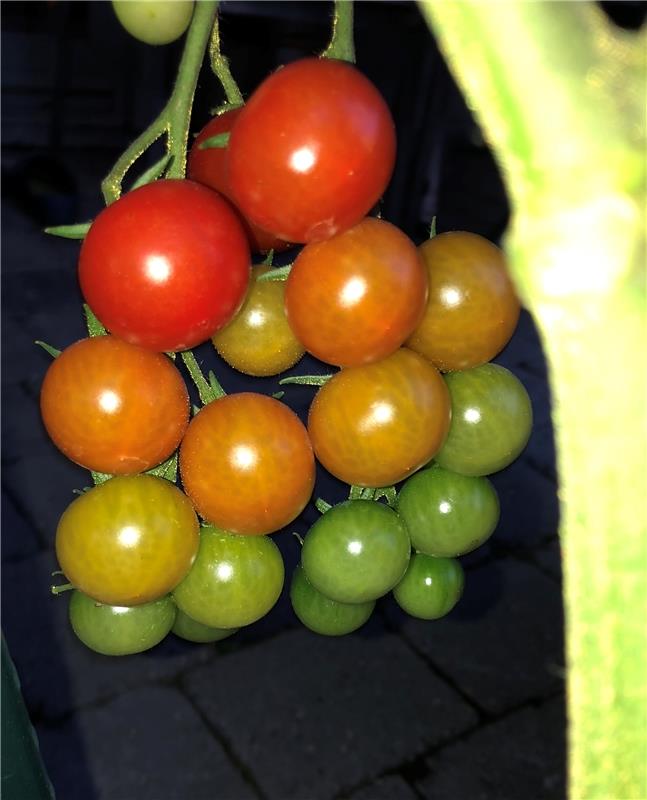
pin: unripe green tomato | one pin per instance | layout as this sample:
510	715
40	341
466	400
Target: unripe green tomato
431	587
323	615
153	21
120	630
448	514
192	631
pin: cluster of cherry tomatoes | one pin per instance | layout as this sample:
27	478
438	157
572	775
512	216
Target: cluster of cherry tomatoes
167	267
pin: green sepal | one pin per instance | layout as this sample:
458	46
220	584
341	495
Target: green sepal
99	477
76	231
152	173
322	505
54	353
95	328
166	470
306	380
219	140
278	274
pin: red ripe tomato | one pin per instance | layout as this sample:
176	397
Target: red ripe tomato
114	407
374	425
209	167
356	297
312	150
247	464
166	265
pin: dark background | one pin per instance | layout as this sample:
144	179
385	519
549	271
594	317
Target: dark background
468	707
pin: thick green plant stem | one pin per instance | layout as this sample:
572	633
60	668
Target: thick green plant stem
175	117
341	44
560	95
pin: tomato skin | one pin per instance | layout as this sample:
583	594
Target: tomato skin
356	552
127	541
259	340
431	587
209	167
374	425
166	265
120	630
153	22
247	464
234	581
473	308
192	631
356	297
114	407
312	150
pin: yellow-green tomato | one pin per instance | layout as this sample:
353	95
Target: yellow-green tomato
192	631
154	21
120	630
234	581
259	341
431	587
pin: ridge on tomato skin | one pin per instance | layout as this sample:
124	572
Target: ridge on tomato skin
209	167
166	265
114	407
312	151
355	298
247	464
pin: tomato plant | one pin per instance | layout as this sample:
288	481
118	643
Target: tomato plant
209	167
247	464
259	341
431	587
323	615
312	150
192	631
114	407
234	581
152	21
356	297
120	630
448	514
472	309
127	541
491	420
356	552
166	265
376	424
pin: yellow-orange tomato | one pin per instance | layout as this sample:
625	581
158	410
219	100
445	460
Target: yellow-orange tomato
129	540
246	462
355	298
114	407
259	341
472	309
375	425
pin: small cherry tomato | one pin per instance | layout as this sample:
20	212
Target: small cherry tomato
356	552
491	420
234	581
312	150
323	615
152	21
374	425
247	463
128	541
114	407
192	631
209	167
473	309
166	265
431	587
259	340
120	630
356	297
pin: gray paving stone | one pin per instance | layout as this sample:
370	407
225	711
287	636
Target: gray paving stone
18	538
521	756
393	787
57	672
503	642
148	744
312	716
529	506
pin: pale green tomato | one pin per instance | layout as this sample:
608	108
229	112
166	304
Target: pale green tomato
154	21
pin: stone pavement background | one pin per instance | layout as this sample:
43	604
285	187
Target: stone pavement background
469	707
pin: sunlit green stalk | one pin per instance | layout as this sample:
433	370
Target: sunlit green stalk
341	44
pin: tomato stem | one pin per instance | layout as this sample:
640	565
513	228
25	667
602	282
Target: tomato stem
276	274
220	68
322	506
175	117
341	44
64	587
208	390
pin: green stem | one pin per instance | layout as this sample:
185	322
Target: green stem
322	506
341	44
220	68
64	587
208	390
175	117
306	380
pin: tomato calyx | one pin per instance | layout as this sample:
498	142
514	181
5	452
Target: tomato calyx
209	388
306	380
219	140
